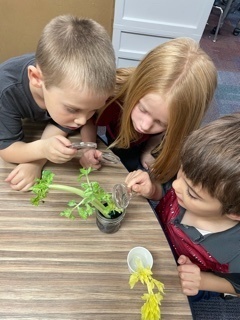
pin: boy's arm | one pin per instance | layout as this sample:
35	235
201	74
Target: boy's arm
52	146
212	282
193	279
23	176
89	132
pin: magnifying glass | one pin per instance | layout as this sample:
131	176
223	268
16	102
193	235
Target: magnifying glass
109	158
83	145
106	156
122	195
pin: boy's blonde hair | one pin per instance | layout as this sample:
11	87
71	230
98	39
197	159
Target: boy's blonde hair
211	158
186	78
79	52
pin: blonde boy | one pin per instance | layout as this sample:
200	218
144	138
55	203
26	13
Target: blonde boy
64	83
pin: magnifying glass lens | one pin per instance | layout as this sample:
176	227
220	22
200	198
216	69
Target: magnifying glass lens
121	195
109	157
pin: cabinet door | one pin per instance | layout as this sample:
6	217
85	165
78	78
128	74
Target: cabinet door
140	25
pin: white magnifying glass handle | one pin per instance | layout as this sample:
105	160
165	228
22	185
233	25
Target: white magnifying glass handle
83	145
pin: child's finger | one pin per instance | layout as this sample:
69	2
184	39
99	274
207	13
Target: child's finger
184	260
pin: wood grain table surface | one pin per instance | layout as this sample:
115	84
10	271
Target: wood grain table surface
55	268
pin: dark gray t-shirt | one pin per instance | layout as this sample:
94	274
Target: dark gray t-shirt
16	100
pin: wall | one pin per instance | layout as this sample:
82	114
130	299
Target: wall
21	21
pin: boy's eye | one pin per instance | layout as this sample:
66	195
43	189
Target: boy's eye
190	195
71	110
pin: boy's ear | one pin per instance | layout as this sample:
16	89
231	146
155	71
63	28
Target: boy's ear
35	76
233	216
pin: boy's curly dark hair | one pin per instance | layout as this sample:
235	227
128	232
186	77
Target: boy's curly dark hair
211	157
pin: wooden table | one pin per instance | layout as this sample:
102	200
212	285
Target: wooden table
55	268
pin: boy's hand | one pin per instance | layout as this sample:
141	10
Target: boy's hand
90	158
190	276
24	175
56	149
140	182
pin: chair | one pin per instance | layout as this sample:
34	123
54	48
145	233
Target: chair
236	30
225	7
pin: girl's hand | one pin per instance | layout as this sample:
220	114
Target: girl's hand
190	276
140	182
90	158
56	149
147	160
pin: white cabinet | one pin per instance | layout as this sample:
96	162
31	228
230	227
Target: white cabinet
140	25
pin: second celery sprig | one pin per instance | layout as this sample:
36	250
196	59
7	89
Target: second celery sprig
151	308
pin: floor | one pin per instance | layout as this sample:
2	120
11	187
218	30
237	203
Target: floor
225	53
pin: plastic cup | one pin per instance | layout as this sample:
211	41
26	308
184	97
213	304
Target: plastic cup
139	255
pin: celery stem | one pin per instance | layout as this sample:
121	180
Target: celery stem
97	204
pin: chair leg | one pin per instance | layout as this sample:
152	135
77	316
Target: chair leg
219	23
223	15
